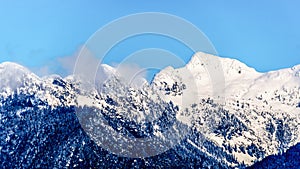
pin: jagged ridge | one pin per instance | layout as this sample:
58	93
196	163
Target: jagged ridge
256	119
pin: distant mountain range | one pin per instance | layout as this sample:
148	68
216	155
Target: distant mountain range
235	115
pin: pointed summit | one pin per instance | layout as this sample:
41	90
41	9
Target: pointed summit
228	65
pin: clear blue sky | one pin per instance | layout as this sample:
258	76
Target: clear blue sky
263	34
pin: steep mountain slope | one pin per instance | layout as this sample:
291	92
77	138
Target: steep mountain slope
40	126
265	104
37	135
234	119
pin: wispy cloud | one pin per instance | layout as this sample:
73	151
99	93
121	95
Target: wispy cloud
131	73
86	65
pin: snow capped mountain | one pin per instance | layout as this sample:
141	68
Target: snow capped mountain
239	79
236	115
13	76
257	100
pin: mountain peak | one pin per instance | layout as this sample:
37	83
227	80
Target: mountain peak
10	70
201	58
12	66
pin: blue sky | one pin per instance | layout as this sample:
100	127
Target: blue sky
263	34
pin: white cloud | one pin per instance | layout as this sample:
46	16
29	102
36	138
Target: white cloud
86	65
82	62
132	74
